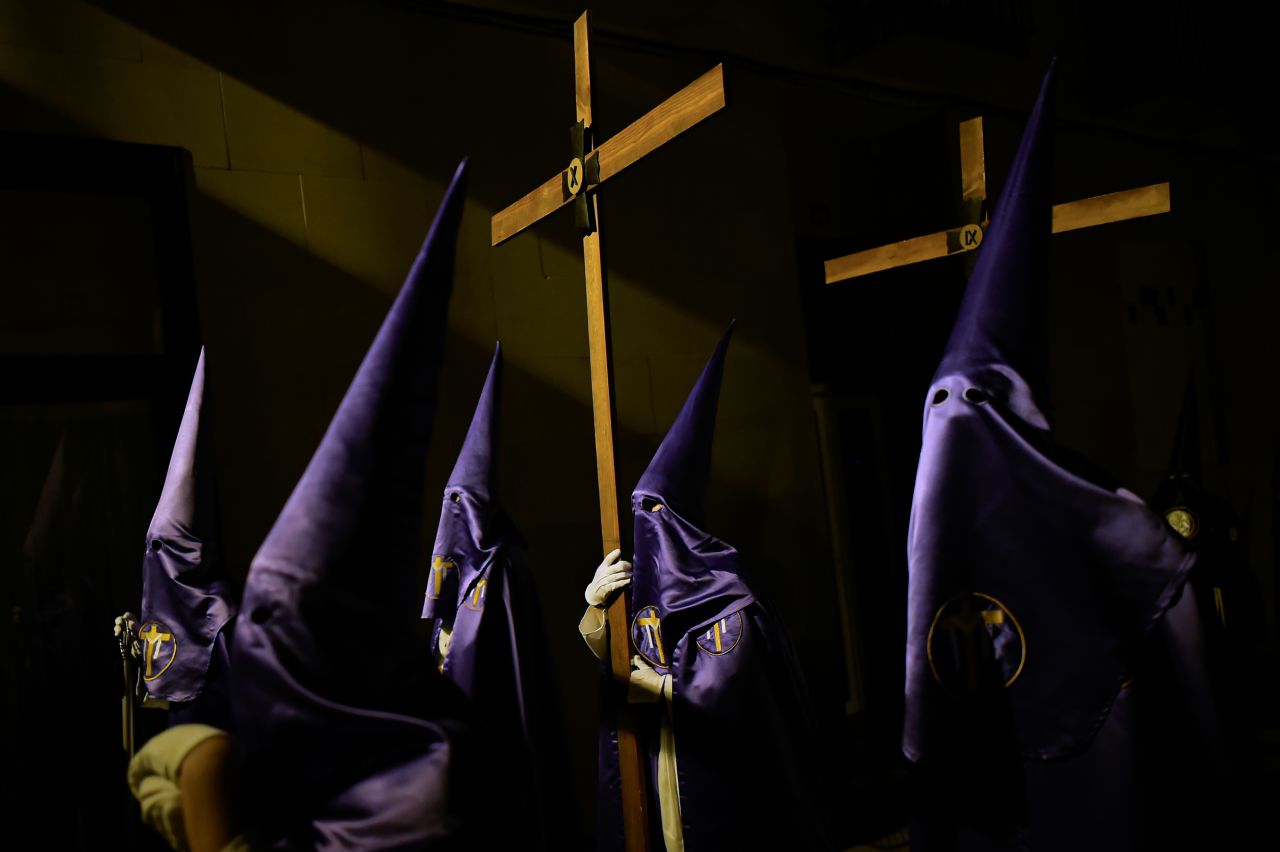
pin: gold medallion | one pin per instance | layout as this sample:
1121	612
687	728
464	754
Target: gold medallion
1183	522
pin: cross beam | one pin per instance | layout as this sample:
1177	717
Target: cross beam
1085	213
590	166
698	100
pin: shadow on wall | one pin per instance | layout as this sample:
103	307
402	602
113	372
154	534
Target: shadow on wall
687	250
424	89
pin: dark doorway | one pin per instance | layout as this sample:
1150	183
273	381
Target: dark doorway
98	335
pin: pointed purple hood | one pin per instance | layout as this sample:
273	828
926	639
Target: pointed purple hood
472	526
186	601
344	727
350	534
1000	330
185	499
680	471
475	470
681	571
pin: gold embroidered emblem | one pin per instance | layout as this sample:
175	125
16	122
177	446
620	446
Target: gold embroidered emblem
722	636
440	568
976	643
646	635
159	649
475	598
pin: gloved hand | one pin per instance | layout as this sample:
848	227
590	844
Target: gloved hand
445	642
646	685
153	778
126	633
613	574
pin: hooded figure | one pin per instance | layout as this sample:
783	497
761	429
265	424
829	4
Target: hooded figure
489	638
729	743
349	734
1227	601
1038	592
187	602
1224	588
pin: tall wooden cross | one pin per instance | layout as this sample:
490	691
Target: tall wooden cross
590	166
1099	210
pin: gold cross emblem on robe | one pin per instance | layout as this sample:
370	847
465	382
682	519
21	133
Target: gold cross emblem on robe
154	639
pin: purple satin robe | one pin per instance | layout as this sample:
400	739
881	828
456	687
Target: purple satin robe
480	587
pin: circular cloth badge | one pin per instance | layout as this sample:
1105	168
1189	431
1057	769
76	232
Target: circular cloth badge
159	649
646	635
721	636
975	643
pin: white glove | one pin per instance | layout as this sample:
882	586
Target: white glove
613	574
153	778
646	685
126	633
446	641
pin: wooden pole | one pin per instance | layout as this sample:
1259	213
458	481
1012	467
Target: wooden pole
635	823
590	167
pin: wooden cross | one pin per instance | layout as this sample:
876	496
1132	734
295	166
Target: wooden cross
1099	210
590	166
